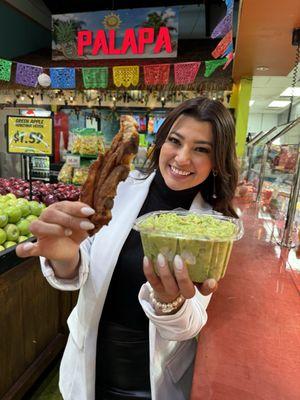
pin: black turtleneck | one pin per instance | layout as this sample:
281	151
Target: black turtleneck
122	305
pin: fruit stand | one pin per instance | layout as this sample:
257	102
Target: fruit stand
33	315
32	323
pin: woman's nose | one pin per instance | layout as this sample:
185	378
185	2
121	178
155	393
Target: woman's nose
183	156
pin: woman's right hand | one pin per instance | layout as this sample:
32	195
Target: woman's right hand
59	231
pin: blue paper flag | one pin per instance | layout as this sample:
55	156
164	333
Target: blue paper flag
62	78
228	50
229	5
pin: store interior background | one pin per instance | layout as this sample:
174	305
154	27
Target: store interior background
261	71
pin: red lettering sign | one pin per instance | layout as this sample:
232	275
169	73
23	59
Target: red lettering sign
84	38
130	42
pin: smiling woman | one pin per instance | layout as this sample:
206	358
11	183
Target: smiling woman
186	156
196	146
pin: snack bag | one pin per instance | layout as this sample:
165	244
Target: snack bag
65	174
89	143
80	175
76	142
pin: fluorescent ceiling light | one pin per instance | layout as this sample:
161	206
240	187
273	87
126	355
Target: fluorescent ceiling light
251	102
279	103
262	68
291	91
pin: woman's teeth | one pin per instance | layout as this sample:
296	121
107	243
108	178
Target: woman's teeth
179	172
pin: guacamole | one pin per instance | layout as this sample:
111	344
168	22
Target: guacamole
203	241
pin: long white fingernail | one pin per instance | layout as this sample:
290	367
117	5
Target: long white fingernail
146	261
86	225
28	246
178	262
87	211
161	260
211	283
68	232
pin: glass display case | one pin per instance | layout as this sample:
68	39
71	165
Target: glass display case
276	184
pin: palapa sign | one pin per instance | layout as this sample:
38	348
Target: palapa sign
136	33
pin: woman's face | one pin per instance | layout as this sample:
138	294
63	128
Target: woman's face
186	157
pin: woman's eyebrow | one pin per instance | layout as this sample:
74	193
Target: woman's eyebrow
196	142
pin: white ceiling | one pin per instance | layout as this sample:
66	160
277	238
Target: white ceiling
268	88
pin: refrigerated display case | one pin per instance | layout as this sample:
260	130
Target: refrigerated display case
278	180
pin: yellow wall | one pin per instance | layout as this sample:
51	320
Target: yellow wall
241	94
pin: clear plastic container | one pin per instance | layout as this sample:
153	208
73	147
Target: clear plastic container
203	240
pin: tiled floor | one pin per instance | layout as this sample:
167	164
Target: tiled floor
250	348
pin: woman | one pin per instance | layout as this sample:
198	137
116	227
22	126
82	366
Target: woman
118	327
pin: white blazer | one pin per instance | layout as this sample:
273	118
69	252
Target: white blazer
171	337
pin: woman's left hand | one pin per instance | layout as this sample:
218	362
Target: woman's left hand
167	286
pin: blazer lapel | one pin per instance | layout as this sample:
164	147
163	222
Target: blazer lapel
109	241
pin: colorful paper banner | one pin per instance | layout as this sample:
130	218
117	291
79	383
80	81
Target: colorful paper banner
126	75
62	78
229	59
27	74
5	70
95	77
156	74
229	5
185	73
222	45
223	27
212	65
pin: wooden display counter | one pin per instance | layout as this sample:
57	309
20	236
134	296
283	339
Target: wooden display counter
33	327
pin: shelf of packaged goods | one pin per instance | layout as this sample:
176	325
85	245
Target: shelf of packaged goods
32	323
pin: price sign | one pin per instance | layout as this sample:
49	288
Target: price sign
30	135
73	160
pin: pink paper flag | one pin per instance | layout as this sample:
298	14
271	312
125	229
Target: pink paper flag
185	73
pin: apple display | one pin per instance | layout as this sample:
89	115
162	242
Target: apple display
14	214
10	243
23	226
22	239
12	232
2	236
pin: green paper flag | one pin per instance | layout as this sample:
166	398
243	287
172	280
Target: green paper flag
95	77
5	70
212	65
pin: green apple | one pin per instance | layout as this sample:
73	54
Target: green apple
31	218
21	200
22	239
11	196
30	235
36	208
10	243
3	219
23	226
2	248
24	207
12	232
14	214
2	236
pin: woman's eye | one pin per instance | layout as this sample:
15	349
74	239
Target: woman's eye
202	150
173	140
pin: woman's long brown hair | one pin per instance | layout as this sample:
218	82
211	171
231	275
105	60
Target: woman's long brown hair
224	154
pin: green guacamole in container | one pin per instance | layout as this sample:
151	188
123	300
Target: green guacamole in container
204	241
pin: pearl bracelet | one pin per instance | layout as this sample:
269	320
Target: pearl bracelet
166	308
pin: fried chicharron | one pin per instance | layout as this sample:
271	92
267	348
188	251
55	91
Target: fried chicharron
108	171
